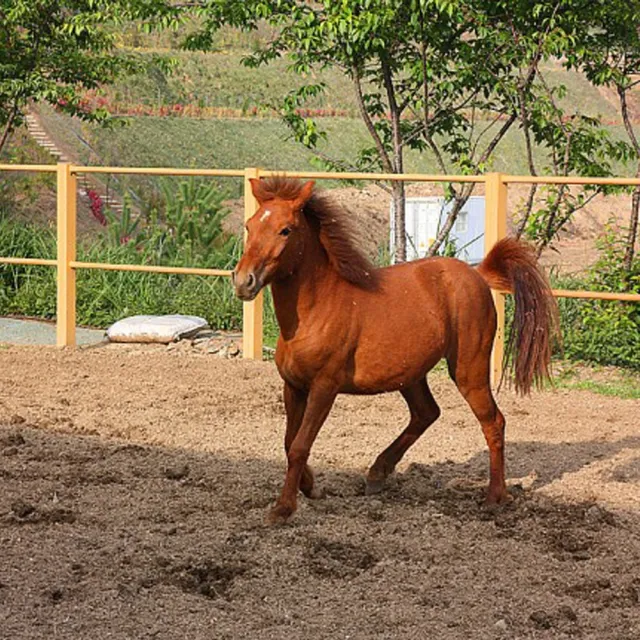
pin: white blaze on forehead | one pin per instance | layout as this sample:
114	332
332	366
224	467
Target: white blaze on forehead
265	215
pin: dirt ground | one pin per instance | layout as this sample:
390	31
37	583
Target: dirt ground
135	484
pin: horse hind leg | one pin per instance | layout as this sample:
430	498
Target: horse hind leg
472	381
424	412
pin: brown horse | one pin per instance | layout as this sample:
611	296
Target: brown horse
347	327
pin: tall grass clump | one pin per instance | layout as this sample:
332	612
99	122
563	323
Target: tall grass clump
25	241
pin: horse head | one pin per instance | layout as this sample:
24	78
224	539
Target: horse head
275	238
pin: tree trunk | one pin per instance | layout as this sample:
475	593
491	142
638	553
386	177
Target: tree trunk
400	236
459	201
524	118
397	161
8	127
635	200
528	209
632	236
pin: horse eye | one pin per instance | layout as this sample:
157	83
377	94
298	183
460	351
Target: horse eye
285	232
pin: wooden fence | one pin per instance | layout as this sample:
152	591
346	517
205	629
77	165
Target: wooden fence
496	185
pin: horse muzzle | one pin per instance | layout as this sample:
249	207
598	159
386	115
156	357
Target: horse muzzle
247	285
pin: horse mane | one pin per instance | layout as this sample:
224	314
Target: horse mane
335	231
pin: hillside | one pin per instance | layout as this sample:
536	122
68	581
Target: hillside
209	105
220	81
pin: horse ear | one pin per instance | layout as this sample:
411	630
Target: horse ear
256	189
305	193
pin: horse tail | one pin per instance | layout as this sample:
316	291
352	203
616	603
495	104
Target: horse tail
511	266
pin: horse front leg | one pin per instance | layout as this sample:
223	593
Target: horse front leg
295	403
318	404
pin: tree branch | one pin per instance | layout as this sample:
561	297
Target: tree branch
394	112
496	139
384	156
628	125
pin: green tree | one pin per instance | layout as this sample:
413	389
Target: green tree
448	76
609	56
52	50
570	143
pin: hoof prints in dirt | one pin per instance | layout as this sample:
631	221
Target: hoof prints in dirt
338	559
566	531
564	619
602	593
569	532
12	439
11	442
26	513
204	578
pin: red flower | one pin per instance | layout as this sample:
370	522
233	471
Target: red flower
97	207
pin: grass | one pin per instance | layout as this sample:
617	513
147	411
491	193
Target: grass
233	144
581	94
606	381
106	296
26	193
219	79
226	39
626	390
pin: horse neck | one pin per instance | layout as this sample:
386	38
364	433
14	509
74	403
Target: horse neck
296	296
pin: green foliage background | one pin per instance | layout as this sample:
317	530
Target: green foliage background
593	331
605	332
187	232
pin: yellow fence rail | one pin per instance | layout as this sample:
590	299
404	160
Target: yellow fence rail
496	185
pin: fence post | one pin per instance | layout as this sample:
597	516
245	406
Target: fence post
495	229
66	226
251	311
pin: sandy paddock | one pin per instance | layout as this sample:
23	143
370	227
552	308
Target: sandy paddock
135	484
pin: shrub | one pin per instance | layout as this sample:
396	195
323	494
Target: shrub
187	233
600	331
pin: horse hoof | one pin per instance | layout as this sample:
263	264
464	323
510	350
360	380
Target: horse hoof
315	494
373	487
279	515
493	501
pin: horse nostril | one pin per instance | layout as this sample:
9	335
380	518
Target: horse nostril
233	277
251	280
